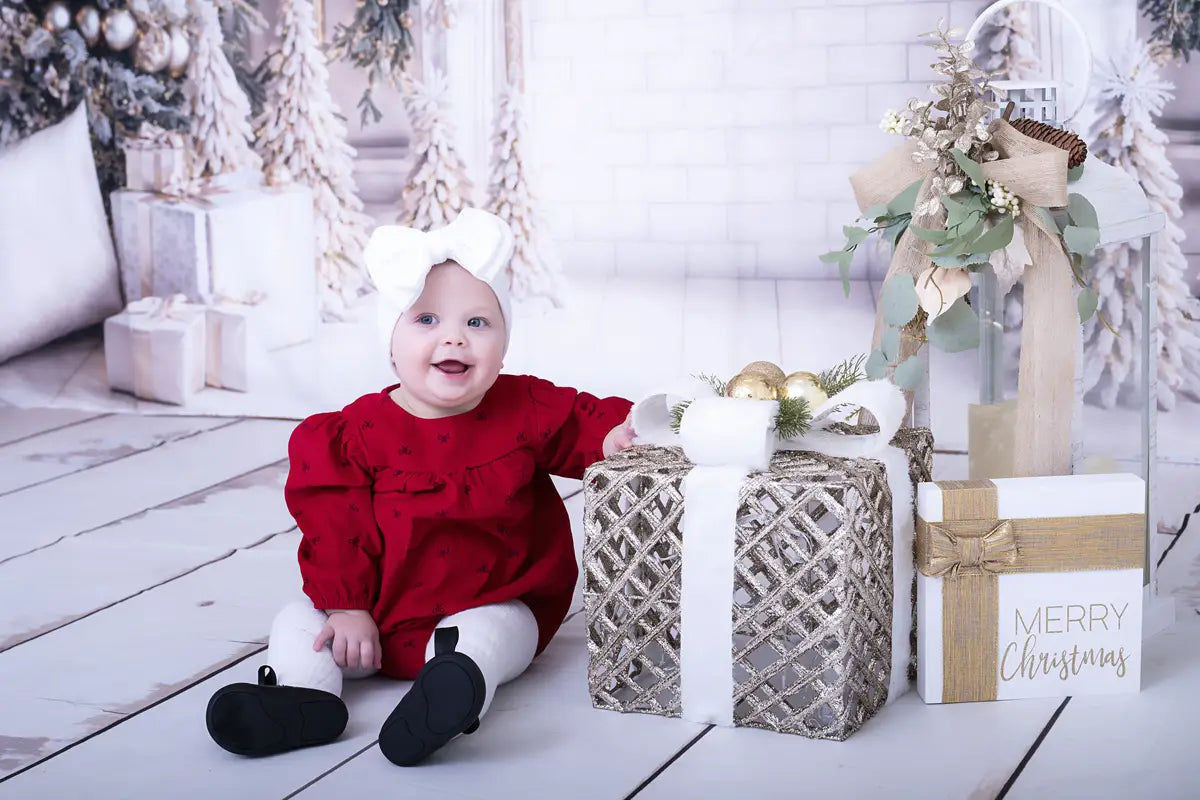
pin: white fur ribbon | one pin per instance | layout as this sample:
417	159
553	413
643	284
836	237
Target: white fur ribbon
399	258
727	438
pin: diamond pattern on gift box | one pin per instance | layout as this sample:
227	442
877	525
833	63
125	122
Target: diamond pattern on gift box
813	588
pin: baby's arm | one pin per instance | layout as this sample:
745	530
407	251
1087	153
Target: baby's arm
574	429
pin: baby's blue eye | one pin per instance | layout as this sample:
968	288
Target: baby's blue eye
477	322
425	319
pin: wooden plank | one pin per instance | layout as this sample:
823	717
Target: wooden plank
757	329
88	444
41	515
819	326
710	309
539	737
33	380
975	747
1130	745
20	423
126	657
137	553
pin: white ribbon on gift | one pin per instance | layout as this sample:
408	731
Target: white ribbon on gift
143	314
726	439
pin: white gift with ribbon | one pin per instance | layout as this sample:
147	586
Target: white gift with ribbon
155	349
727	439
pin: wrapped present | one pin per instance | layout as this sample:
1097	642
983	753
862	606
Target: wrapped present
227	346
1029	587
251	246
155	159
738	580
154	349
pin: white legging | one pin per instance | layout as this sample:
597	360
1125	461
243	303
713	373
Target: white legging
501	639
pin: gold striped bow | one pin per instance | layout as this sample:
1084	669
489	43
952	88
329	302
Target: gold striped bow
954	555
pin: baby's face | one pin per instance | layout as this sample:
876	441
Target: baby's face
448	347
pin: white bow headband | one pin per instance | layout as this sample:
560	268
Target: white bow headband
399	258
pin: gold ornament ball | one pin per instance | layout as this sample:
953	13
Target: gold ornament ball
804	386
57	18
181	50
87	19
153	52
120	29
750	386
771	372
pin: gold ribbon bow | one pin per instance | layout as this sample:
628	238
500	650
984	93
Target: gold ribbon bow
955	555
1037	173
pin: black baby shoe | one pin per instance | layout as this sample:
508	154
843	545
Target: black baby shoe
264	719
444	701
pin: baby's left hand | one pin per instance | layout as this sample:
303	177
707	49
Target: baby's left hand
619	438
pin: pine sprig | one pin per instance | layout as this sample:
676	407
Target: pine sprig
843	376
794	418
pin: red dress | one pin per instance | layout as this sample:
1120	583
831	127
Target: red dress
415	519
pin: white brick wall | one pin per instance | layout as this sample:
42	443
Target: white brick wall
715	137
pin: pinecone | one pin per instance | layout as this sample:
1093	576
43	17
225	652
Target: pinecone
1058	137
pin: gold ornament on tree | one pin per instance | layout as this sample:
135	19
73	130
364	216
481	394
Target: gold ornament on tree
57	17
278	175
153	52
120	29
87	19
181	50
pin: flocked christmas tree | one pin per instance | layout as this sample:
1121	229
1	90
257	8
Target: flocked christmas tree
534	270
219	110
302	132
1130	95
1005	47
437	188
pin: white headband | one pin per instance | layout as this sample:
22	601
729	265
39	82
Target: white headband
399	258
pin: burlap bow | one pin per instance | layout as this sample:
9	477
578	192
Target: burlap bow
953	555
1037	173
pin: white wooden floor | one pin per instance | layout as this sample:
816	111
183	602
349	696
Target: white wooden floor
141	561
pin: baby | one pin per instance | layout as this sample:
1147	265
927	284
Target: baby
434	545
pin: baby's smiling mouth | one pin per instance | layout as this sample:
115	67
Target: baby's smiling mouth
451	366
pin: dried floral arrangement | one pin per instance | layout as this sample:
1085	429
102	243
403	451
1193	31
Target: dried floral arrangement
951	139
379	40
798	393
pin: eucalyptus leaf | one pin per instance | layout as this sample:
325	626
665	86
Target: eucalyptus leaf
998	237
1045	216
956	212
832	257
908	373
876	212
955	330
904	202
896	231
930	234
972	168
898	299
855	235
889	343
1087	302
876	366
1081	240
1074	173
1082	212
963	243
957	260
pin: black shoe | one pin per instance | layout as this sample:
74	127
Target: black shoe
444	701
264	719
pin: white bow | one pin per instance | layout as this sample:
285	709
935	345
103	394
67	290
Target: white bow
175	306
399	258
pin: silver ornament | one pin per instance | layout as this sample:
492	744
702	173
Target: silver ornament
181	49
120	29
153	51
278	175
87	19
57	18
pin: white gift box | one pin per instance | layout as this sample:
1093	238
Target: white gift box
1029	587
252	246
227	347
155	349
152	166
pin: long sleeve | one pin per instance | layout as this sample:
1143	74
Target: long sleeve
328	493
570	426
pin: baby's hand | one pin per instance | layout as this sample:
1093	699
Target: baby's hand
619	438
355	639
